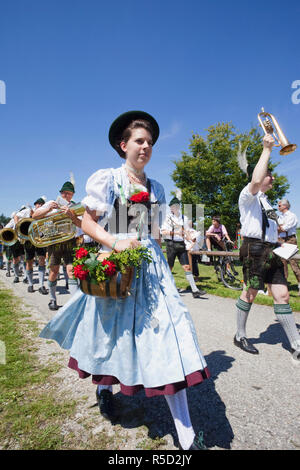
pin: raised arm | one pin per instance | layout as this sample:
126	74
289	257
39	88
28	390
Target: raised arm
261	167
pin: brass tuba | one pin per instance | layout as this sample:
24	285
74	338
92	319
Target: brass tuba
8	236
22	228
286	146
56	228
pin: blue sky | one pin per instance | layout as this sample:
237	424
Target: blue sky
70	67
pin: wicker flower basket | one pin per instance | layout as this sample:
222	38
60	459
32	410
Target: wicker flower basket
118	286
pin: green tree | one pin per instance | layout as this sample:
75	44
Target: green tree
210	173
4	220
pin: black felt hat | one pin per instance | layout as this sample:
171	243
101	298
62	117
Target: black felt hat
119	125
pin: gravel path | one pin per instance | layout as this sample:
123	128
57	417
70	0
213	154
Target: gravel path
251	402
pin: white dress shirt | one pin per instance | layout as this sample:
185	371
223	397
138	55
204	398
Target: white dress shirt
289	223
251	216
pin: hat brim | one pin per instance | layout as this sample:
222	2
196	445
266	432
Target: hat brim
123	121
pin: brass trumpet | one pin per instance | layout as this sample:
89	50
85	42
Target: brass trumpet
8	236
56	228
286	146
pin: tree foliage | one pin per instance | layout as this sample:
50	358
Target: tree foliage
210	174
4	220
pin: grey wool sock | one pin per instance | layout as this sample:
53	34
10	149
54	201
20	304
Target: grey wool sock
286	319
52	289
42	270
73	286
29	275
243	309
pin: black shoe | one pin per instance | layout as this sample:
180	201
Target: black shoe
8	274
296	354
25	281
198	294
53	305
43	290
106	404
30	289
245	345
16	279
197	444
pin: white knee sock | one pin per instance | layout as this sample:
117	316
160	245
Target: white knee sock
104	387
180	412
190	278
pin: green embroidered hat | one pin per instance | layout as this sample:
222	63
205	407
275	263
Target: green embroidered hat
39	201
68	186
119	125
174	201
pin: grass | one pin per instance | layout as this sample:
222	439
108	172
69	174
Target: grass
34	414
29	417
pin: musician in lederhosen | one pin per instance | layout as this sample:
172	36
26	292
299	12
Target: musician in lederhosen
15	251
60	252
260	264
173	232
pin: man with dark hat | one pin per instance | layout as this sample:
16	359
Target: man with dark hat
60	251
260	265
173	232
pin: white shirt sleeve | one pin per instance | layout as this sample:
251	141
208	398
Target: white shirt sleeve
97	189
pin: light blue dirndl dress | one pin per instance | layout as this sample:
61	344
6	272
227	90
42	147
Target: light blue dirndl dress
145	341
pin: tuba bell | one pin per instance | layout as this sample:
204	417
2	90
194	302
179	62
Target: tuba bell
8	236
56	228
286	146
22	228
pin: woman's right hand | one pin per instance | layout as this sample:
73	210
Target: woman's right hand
122	245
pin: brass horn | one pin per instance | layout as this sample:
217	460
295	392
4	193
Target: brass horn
22	228
8	236
56	228
286	146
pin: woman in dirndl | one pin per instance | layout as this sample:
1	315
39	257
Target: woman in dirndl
146	340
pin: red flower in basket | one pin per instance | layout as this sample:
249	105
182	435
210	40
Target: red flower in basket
142	196
80	273
109	267
81	253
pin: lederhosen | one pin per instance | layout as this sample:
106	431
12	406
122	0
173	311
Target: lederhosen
17	249
176	249
260	264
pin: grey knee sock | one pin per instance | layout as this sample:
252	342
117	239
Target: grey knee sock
42	270
29	275
243	309
15	268
190	278
73	286
286	319
52	289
